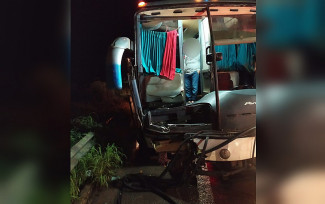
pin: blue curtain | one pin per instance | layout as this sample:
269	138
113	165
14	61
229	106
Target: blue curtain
228	61
236	57
152	49
245	56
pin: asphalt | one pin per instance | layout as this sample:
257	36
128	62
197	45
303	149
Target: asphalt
240	188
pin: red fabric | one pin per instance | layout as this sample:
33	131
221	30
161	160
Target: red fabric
169	61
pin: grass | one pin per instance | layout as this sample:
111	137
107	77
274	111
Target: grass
75	182
85	123
75	136
80	125
96	167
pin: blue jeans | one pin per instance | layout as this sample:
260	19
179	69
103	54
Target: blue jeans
191	86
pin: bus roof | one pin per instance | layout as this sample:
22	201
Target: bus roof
198	2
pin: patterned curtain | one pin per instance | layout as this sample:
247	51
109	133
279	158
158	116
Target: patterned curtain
236	57
152	49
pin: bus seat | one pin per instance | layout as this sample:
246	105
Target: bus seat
224	81
234	76
164	89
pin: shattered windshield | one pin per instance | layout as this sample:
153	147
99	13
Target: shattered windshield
234	29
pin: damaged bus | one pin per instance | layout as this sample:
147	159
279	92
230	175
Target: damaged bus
220	125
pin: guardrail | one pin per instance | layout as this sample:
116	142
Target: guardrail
80	149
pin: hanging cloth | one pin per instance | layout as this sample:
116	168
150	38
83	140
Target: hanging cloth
153	48
245	56
169	60
228	62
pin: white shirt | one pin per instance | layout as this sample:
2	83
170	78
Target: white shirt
192	64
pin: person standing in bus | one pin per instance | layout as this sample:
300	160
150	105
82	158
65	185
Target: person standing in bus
192	71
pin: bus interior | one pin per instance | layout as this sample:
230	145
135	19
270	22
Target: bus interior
234	31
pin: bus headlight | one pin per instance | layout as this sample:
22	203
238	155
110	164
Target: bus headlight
224	153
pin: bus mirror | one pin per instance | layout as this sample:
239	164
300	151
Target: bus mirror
209	57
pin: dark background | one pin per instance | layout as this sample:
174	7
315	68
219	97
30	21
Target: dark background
94	26
49	49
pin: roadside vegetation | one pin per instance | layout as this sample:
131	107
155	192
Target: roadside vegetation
81	125
98	165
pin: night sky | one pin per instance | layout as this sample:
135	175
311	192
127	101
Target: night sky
94	26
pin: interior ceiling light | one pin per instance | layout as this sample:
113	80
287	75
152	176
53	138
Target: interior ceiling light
199	10
178	11
155	13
